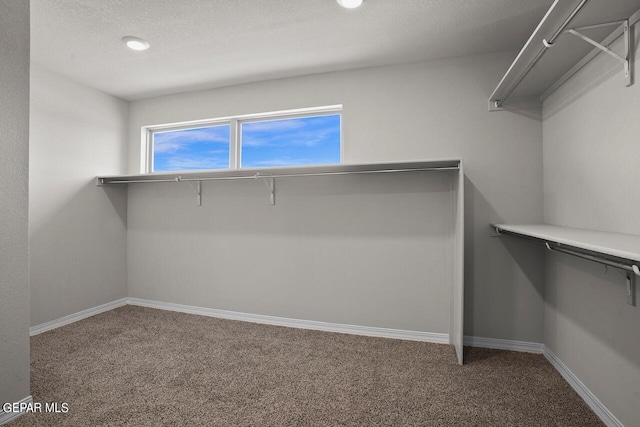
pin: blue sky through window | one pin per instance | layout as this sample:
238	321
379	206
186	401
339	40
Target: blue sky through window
191	149
297	141
291	142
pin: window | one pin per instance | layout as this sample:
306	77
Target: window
291	142
191	149
290	138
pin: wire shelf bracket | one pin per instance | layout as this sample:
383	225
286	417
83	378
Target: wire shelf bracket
270	182
627	34
197	188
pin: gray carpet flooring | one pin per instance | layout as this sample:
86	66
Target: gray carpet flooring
143	367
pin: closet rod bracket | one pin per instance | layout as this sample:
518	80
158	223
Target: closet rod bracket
270	182
626	60
631	287
197	188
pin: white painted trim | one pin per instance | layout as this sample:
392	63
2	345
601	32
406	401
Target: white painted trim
594	403
43	327
499	344
5	417
307	111
590	399
439	338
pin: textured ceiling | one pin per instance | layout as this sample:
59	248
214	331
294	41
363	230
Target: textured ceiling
199	44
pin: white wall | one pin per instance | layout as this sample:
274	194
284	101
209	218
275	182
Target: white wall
435	109
14	167
591	180
77	230
370	251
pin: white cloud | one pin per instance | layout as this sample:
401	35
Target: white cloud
273	125
189	163
287	161
309	138
170	142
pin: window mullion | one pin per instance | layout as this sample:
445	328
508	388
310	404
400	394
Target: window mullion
147	152
234	144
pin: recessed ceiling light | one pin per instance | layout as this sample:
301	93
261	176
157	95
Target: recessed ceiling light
135	43
349	4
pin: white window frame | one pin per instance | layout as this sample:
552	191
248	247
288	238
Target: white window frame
235	137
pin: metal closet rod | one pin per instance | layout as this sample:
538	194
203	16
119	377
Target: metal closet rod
572	250
540	53
284	175
627	267
631	267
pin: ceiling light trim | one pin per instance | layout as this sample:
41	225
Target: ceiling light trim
135	43
349	4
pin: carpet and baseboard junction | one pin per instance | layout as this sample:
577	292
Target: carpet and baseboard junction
139	362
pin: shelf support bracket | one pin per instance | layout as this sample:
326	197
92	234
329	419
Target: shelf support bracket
270	182
631	286
627	61
197	188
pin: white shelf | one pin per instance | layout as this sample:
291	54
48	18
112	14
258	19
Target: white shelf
618	250
269	175
284	172
540	69
626	246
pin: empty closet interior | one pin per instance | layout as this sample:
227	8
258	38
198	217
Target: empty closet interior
483	189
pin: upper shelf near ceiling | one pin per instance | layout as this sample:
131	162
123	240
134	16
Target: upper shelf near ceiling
552	55
284	172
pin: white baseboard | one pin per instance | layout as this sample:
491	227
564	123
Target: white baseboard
594	403
43	327
499	344
439	338
590	399
5	417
